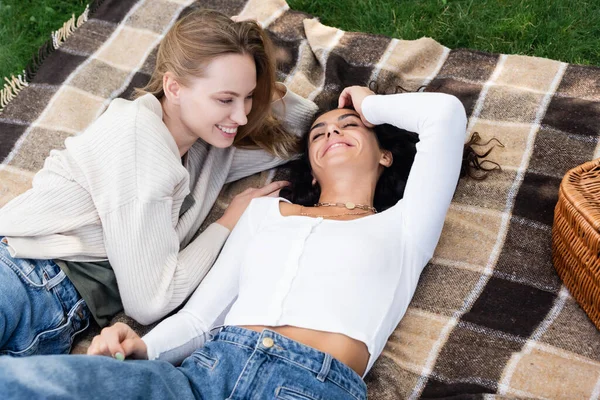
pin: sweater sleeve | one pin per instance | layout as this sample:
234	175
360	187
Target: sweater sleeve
178	336
131	167
440	121
154	277
295	114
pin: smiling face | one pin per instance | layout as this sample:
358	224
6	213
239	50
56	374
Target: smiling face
339	140
215	105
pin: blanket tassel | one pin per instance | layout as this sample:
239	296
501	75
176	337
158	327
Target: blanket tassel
14	84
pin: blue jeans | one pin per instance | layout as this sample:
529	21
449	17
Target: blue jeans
236	364
40	309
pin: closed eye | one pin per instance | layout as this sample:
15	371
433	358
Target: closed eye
225	101
350	124
317	135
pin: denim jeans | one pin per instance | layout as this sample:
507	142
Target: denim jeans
236	364
40	309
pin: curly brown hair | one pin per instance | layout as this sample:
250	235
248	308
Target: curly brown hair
392	182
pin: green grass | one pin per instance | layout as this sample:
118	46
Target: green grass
26	24
558	29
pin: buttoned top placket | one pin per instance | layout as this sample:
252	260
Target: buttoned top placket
290	270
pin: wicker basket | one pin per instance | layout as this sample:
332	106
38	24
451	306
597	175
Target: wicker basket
576	236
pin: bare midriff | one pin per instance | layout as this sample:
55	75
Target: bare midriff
349	351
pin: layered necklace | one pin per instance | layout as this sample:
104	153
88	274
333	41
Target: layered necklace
348	206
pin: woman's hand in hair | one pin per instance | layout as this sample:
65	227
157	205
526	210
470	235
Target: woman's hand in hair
353	96
240	202
118	341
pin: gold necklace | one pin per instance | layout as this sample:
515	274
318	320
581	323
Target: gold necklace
331	216
348	205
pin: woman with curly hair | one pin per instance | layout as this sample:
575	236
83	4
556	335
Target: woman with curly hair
310	289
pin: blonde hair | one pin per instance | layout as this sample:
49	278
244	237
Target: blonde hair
200	36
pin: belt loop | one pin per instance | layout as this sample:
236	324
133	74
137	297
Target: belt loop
48	269
210	335
325	368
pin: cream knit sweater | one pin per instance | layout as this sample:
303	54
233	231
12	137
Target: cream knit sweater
115	193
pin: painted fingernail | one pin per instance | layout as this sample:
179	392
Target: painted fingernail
119	356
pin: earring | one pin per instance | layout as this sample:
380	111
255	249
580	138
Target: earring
314	182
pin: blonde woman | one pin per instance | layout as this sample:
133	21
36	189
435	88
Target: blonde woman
110	223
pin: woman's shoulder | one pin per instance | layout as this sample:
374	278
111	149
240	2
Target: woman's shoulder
129	130
267	207
264	202
146	106
133	122
287	208
122	117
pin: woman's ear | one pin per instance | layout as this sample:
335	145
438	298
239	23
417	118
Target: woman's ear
171	87
387	159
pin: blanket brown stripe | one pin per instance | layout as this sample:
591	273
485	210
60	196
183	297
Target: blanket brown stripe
490	317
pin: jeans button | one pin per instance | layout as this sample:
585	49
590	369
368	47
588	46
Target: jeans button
268	342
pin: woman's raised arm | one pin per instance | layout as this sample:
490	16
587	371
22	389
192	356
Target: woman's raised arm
440	121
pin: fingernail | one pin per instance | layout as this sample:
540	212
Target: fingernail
119	356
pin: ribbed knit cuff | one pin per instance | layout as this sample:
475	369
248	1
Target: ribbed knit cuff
56	246
218	231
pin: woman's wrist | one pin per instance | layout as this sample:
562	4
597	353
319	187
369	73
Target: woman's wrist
226	223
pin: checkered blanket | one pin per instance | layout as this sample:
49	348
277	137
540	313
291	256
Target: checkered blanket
490	317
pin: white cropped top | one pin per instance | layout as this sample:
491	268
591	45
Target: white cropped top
352	277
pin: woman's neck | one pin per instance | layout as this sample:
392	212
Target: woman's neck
171	117
356	191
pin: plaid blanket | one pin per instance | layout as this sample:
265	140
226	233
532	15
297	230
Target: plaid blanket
490	317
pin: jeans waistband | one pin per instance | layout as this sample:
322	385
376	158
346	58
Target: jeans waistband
323	365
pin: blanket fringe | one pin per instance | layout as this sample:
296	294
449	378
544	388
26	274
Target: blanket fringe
60	35
11	88
15	84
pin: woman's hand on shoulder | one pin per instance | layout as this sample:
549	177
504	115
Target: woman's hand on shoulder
353	96
118	341
240	202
